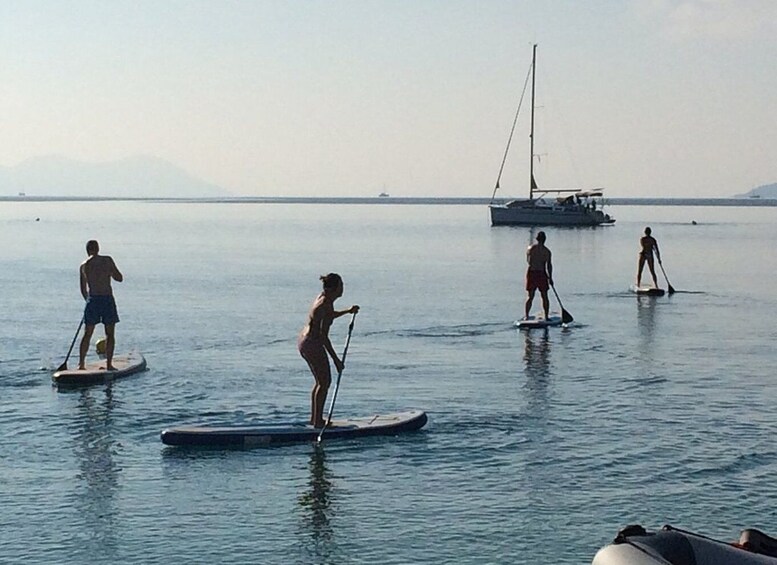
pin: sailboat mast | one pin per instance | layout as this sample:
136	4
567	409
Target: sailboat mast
531	131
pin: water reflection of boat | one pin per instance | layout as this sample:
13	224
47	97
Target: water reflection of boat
569	207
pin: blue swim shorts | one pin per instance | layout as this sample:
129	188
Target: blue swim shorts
100	310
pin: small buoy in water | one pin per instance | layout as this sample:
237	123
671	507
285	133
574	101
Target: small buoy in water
100	346
37	219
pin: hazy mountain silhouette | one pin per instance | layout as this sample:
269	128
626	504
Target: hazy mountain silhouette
139	176
763	191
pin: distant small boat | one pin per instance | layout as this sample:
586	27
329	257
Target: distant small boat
22	194
672	546
383	195
570	207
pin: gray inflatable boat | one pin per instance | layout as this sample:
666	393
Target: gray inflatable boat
672	546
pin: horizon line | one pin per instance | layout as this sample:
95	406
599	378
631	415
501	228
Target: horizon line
403	200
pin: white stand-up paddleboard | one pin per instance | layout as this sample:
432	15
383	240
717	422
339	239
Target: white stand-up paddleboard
647	290
539	321
96	373
293	432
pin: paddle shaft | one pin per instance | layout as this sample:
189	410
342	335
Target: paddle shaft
63	366
566	317
339	374
668	284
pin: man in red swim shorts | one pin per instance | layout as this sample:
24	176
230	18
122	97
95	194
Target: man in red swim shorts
540	273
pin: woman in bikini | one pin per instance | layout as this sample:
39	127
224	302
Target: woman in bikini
647	245
314	344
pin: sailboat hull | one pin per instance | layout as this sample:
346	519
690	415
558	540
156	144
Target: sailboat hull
538	213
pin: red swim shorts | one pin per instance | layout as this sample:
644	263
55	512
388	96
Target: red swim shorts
537	280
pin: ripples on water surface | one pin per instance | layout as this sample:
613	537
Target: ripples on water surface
540	445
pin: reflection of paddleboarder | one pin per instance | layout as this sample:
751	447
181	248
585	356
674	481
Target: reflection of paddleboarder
317	501
536	356
539	276
648	245
94	445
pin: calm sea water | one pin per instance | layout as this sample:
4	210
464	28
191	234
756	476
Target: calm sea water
540	445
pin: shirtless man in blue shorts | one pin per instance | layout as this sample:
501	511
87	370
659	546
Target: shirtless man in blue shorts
96	274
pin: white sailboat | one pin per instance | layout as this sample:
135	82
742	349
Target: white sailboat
547	207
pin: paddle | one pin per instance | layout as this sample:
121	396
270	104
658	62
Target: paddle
63	366
339	374
668	284
566	317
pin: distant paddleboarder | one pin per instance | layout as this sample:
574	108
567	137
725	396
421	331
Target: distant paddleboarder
314	345
539	276
648	245
96	274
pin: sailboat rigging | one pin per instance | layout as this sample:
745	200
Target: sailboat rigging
572	207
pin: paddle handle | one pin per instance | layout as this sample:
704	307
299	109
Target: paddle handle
63	366
347	343
669	286
339	374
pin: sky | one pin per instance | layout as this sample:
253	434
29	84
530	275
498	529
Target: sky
646	98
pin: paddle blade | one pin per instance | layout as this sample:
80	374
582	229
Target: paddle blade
668	284
566	317
62	367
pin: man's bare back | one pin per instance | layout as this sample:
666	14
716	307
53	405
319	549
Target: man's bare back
96	274
538	257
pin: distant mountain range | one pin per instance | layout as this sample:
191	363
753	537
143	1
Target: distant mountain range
134	177
764	191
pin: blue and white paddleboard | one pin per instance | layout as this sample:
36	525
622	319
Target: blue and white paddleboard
293	432
647	290
539	322
96	373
